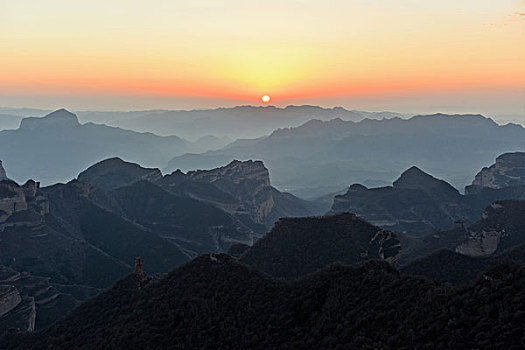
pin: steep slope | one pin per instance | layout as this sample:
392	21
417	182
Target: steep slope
216	300
109	232
299	246
328	155
194	226
37	149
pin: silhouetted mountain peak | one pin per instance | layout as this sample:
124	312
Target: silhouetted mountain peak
415	178
62	113
58	118
114	172
357	187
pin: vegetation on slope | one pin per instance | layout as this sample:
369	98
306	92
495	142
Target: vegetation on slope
216	302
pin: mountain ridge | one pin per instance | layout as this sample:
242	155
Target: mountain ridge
369	151
418	204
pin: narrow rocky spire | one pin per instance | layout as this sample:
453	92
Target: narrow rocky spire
139	268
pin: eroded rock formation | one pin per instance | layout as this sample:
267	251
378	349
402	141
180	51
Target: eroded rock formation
508	171
248	182
21	205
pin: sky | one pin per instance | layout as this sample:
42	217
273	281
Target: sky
398	55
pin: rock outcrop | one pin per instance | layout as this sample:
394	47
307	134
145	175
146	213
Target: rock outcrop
29	302
502	226
248	182
9	299
3	175
21	205
508	171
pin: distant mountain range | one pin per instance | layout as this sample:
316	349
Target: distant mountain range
55	148
325	156
235	122
321	156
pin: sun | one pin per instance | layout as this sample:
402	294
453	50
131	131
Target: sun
265	99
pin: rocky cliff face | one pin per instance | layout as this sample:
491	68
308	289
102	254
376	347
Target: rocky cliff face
508	171
241	189
248	182
29	302
502	226
9	299
21	205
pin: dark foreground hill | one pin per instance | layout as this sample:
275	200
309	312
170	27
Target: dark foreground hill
445	266
215	302
299	246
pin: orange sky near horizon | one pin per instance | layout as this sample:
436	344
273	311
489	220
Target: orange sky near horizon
235	51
